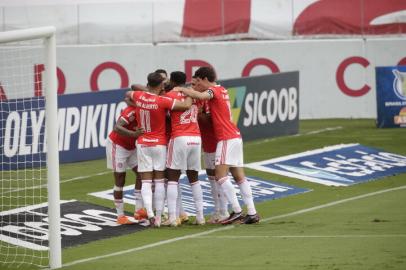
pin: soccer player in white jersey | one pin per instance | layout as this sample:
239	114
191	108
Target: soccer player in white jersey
184	151
229	150
151	145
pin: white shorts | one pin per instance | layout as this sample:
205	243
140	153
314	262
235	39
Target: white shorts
184	153
229	152
209	160
119	158
151	158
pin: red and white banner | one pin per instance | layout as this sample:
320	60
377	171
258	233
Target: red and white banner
129	21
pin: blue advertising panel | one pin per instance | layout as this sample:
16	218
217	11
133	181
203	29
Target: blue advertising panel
391	96
338	165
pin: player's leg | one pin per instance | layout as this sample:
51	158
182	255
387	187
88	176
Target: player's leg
145	169
222	178
159	162
176	160
237	171
182	215
139	212
116	160
172	195
220	201
192	148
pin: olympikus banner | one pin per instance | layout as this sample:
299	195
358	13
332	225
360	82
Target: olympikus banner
263	106
339	165
262	190
391	96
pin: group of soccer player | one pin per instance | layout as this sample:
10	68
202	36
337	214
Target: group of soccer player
160	135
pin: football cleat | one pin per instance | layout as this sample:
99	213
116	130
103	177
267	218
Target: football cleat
199	221
217	218
233	218
123	220
251	219
140	214
214	218
157	221
183	218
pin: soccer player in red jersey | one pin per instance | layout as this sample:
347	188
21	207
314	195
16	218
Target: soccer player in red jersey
151	145
229	150
183	152
209	145
121	153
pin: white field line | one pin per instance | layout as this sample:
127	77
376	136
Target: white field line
61	182
297	135
303	236
176	239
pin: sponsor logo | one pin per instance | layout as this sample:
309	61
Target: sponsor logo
263	107
401	118
193	143
80	223
262	190
237	95
339	165
149	140
267	106
399	84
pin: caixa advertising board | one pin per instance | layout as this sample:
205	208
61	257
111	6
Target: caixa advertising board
263	106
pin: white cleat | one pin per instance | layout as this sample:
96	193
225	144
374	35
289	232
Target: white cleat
199	221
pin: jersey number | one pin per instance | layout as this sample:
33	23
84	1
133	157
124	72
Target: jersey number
189	116
145	120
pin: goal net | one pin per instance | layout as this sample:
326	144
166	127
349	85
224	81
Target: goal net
29	166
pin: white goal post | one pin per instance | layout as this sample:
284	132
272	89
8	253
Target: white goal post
47	34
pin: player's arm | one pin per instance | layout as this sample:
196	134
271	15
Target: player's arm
197	95
128	98
138	87
120	129
182	105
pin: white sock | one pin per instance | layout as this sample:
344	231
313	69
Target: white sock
230	193
246	194
119	203
223	202
172	197
198	198
214	193
138	200
159	198
146	193
179	205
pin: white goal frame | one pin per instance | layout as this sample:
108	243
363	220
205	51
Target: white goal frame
51	104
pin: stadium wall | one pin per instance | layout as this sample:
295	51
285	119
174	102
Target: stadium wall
337	77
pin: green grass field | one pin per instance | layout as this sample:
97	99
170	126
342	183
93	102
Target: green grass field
367	231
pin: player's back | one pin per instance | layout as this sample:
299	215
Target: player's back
150	113
183	123
220	110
